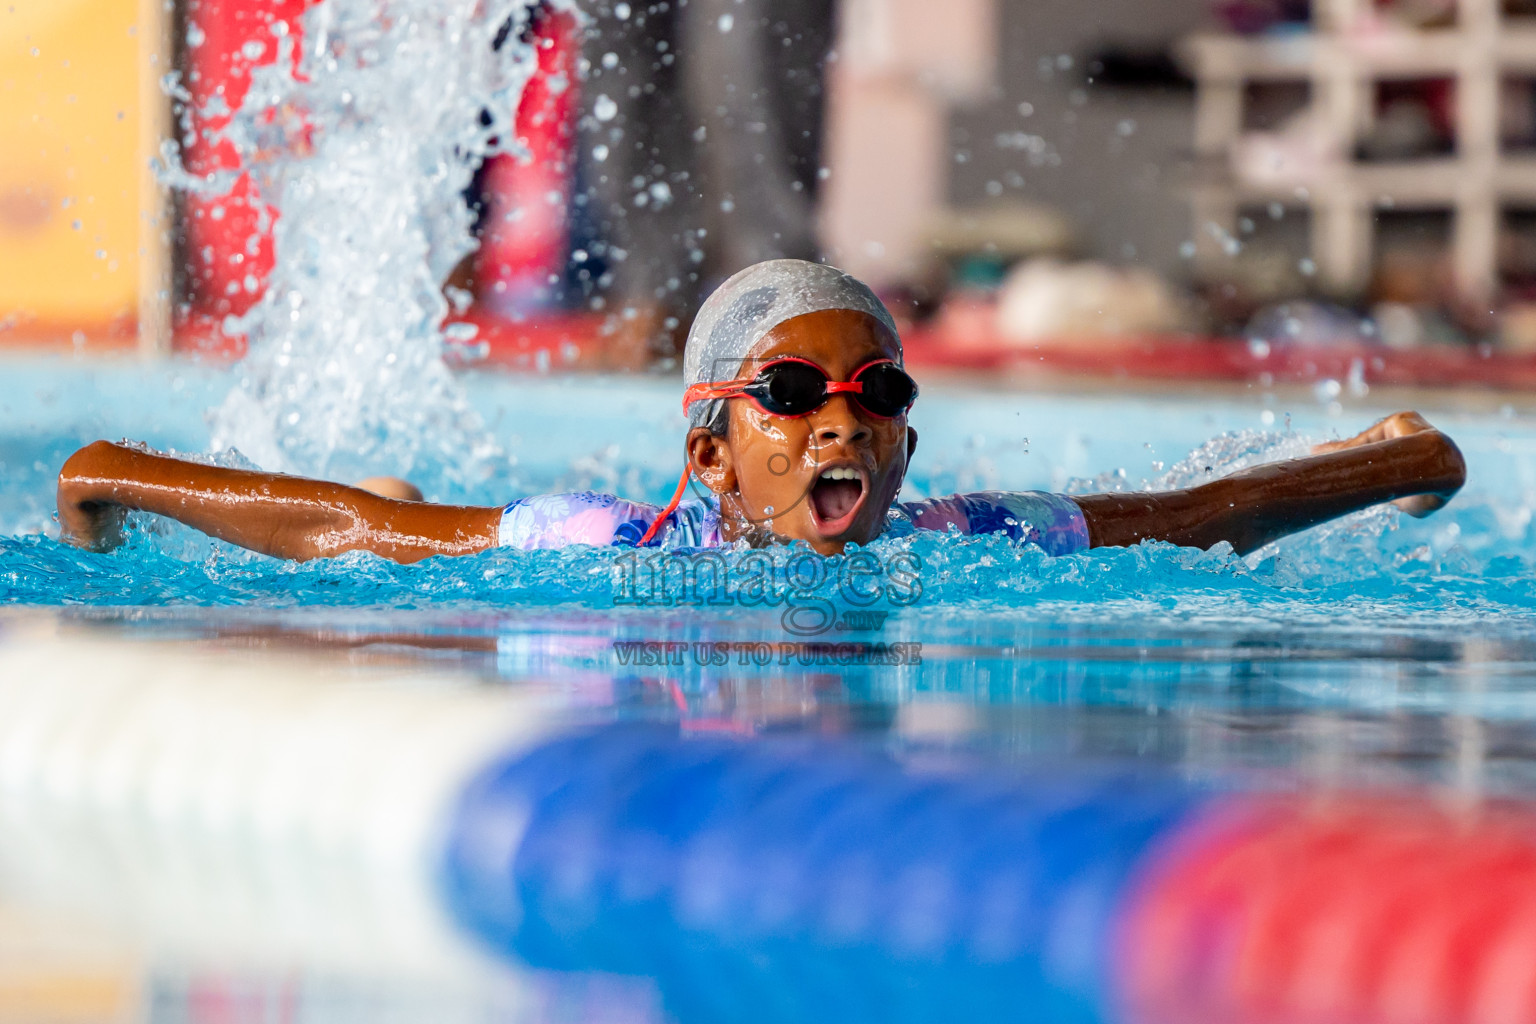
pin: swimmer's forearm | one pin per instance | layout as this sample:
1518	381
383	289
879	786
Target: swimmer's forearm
275	514
1260	505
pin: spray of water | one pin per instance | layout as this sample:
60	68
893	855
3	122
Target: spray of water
364	136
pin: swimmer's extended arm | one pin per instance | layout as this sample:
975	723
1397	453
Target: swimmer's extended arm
285	516
1401	459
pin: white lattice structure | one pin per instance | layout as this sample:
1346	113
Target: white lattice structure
1346	53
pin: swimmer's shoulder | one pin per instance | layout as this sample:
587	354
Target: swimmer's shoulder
1053	521
545	521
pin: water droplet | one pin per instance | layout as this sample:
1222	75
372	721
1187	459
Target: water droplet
1307	267
599	152
621	11
253	49
604	108
610	60
726	22
75	224
196	36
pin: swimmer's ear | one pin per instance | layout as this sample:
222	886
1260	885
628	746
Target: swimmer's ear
710	459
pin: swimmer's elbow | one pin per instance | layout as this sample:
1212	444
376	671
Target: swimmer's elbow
323	531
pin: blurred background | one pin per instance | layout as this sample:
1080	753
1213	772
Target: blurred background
1194	190
1118	195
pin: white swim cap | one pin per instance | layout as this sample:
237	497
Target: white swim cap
755	301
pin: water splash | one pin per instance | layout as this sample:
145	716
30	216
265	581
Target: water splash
365	135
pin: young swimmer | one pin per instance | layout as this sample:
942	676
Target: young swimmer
797	412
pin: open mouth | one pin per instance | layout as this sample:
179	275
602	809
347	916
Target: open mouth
836	497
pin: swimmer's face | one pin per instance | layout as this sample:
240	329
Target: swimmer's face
771	471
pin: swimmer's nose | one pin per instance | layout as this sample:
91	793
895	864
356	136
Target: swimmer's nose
837	423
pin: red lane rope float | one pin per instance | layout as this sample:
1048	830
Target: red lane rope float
1339	912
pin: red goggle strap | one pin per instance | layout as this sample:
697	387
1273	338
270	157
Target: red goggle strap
705	391
666	513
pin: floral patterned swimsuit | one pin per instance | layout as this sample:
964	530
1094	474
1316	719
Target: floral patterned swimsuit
1053	521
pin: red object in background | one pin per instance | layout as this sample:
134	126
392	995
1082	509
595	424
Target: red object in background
527	196
229	249
229	238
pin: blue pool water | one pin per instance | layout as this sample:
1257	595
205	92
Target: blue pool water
1374	638
1375	651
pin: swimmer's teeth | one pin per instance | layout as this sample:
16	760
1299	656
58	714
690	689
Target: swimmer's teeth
840	474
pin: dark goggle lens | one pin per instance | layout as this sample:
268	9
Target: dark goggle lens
790	389
794	389
888	391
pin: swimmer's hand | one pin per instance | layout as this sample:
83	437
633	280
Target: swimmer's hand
87	518
1407	424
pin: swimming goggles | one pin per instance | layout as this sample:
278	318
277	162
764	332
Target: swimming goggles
792	387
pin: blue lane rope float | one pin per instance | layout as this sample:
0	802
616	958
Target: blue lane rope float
803	880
